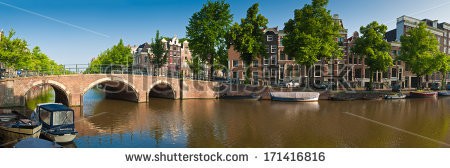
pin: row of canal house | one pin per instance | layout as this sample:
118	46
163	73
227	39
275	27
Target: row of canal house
178	55
348	71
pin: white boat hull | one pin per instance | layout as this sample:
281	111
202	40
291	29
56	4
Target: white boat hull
295	96
60	138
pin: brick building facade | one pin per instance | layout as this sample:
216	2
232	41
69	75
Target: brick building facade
178	54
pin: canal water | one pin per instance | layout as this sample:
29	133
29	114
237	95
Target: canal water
104	123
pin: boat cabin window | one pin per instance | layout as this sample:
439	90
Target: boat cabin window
45	116
63	117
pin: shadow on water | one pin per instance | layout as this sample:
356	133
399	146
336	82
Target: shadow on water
107	123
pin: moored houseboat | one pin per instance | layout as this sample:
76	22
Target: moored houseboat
241	97
295	96
423	94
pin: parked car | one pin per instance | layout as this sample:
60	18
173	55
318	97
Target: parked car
292	84
435	86
320	86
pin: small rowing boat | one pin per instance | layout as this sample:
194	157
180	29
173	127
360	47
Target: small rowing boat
395	96
14	126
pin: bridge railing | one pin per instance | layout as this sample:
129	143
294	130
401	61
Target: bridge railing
69	69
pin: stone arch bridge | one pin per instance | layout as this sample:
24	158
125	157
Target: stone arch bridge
70	89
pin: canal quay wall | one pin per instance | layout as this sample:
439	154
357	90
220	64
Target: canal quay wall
264	92
69	89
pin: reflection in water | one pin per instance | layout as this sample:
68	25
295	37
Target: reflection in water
230	123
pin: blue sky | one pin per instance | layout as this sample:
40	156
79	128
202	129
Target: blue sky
74	31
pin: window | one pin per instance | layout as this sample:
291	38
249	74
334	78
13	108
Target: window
255	76
273	73
243	64
255	63
235	63
266	73
273	59
146	59
235	75
330	69
244	75
282	56
399	62
269	37
273	49
63	118
358	73
266	61
317	71
394	72
281	41
394	52
267	49
44	116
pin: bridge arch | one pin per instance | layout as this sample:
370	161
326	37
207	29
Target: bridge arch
162	89
115	88
62	95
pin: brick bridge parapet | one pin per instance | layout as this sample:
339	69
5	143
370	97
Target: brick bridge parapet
70	89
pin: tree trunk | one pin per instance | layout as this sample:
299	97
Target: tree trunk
443	82
211	68
308	79
247	74
419	85
370	87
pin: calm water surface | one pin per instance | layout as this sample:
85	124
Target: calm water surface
103	123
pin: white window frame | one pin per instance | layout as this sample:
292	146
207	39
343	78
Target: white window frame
269	37
255	65
273	72
320	71
273	60
237	75
235	65
273	49
266	61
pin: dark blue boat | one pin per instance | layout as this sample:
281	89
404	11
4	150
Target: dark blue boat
57	122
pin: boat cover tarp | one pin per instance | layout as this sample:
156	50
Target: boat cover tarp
296	95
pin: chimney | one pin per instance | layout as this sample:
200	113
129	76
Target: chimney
336	16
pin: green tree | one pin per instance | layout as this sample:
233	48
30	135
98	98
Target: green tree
117	56
248	37
207	31
195	65
159	53
311	35
39	61
14	52
419	47
372	47
443	66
